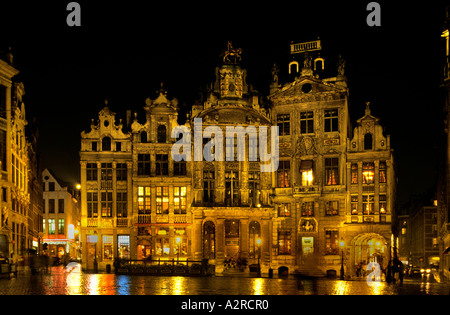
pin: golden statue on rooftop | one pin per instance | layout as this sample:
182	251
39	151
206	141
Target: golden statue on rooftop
232	55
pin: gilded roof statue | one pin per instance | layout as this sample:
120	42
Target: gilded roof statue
232	55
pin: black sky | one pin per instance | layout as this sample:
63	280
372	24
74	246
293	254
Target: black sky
123	50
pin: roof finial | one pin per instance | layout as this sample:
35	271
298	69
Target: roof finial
106	102
367	108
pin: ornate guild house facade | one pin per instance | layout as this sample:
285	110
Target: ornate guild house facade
328	205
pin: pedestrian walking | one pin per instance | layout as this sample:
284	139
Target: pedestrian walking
389	272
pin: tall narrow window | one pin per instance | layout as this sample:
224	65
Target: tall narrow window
208	187
354	171
121	204
162	164
91	171
368	141
283	178
368	204
231	188
92	204
284	242
121	171
144	201
106	144
284	210
306	170
106	203
209	233
354	205
161	134
331	242
144	136
382	171
60	226
51	206
179	200
179	168
368	172
60	205
331	120
308	209
144	164
253	188
283	123
162	200
332	171
307	122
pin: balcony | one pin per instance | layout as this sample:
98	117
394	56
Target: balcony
180	218
120	222
92	222
106	185
144	218
314	189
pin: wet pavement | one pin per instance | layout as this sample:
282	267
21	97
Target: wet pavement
61	281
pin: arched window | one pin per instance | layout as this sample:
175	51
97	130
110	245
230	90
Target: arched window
106	144
368	141
254	240
293	67
144	137
209	234
161	134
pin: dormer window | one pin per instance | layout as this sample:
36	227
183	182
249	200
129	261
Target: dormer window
368	141
143	137
106	144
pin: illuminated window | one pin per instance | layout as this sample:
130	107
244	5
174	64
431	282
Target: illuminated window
332	207
107	245
331	242
144	200
368	204
368	173
284	242
123	246
51	226
121	204
382	204
306	170
382	171
284	210
162	200
92	204
308	209
283	178
354	205
332	171
162	242
179	200
106	203
283	124
354	171
60	226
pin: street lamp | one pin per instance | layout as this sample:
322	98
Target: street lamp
258	243
342	243
178	241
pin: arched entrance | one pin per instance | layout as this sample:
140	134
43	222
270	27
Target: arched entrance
366	248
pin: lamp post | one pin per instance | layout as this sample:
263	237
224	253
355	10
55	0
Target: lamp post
178	240
258	243
342	243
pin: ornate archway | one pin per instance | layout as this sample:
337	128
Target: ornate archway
369	247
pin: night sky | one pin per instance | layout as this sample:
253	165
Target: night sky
124	49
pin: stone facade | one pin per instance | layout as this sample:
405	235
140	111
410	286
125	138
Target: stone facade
332	194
